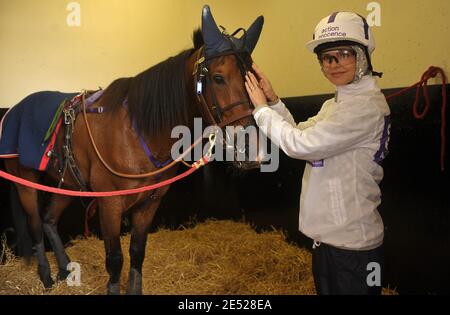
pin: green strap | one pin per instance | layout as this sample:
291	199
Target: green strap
52	127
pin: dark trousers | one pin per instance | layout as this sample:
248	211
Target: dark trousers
340	271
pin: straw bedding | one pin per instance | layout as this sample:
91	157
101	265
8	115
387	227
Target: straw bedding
214	257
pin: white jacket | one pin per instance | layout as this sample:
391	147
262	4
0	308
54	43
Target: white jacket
343	145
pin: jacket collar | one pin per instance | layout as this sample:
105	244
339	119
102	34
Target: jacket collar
367	83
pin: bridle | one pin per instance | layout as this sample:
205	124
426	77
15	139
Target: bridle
202	76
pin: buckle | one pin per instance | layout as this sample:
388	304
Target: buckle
69	116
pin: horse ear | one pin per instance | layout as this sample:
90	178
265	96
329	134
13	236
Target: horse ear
211	33
253	33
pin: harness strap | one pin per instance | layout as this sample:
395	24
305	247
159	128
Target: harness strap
71	108
132	176
69	160
204	108
148	152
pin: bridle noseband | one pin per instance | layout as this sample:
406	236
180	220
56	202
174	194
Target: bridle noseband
202	77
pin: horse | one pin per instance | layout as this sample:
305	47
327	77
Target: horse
139	112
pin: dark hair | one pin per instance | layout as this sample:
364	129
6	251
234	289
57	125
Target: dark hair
158	99
330	45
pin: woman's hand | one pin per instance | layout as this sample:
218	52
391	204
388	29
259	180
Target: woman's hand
256	94
265	84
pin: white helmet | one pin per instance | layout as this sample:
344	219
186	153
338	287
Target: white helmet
343	26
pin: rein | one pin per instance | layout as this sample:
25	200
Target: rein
145	175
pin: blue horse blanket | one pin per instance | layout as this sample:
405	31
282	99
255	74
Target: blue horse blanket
24	127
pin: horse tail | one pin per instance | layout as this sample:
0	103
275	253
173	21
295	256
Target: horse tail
23	244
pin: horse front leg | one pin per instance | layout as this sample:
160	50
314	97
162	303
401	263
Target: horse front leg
141	219
56	207
110	219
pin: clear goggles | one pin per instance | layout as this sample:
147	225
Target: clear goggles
342	56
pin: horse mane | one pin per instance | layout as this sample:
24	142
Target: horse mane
157	98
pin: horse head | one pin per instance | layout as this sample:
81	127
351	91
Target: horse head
221	62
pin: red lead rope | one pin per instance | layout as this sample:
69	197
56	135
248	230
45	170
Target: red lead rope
432	72
59	191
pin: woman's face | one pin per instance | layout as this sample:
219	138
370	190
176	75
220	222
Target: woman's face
338	65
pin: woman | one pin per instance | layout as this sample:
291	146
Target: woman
344	145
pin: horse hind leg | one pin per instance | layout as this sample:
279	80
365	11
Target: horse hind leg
53	212
24	241
110	220
29	200
141	220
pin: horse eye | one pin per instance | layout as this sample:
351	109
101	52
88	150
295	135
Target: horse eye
219	79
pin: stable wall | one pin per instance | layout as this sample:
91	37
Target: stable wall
40	51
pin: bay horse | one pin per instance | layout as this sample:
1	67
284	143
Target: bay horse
139	111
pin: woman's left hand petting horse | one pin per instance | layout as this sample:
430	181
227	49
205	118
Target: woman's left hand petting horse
131	123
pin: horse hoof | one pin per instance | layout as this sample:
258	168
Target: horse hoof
134	282
113	289
62	274
48	283
44	275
